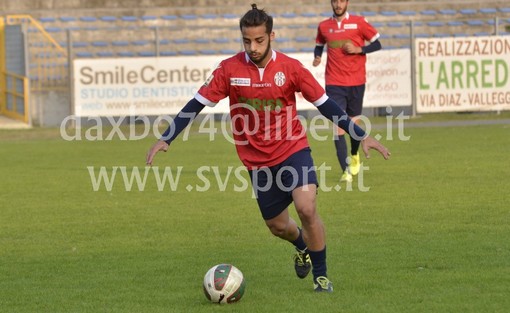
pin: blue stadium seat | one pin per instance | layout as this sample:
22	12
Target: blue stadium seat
147	53
467	11
129	18
221	40
140	42
53	29
84	54
460	35
188	16
455	23
388	13
482	34
99	43
169	17
105	54
422	35
326	14
304	39
164	42
475	23
289	50
126	54
309	14
47	19
229	51
282	39
504	10
441	35
377	24
148	18
230	16
66	19
367	13
188	52
108	18
435	23
209	16
384	36
208	51
408	13
289	15
395	24
307	49
202	41
80	44
168	53
447	12
88	19
402	36
488	10
120	43
181	41
428	12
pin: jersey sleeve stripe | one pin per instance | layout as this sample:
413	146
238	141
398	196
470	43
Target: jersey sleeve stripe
204	100
321	100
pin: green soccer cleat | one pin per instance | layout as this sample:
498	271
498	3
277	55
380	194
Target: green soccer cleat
346	176
355	164
302	263
322	284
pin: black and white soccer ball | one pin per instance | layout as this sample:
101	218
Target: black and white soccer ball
224	283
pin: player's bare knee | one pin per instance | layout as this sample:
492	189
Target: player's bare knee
307	215
277	229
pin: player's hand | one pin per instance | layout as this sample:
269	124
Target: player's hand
371	143
158	146
316	61
349	48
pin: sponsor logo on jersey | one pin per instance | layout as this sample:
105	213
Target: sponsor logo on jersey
262	104
236	81
351	26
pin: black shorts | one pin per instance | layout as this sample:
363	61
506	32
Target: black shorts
349	98
273	185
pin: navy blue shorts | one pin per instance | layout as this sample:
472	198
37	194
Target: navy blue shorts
349	98
273	185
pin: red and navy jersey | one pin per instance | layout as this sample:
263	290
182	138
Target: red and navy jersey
265	125
344	69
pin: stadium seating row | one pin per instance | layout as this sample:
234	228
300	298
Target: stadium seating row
287	15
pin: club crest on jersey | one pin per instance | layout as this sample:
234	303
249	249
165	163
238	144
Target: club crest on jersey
279	79
236	81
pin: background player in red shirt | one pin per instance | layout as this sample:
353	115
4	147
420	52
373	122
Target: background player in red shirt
345	36
270	141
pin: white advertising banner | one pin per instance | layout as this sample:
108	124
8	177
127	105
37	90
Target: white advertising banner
162	86
463	74
388	77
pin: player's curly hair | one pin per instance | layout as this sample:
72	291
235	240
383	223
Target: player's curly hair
256	17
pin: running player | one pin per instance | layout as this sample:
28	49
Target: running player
261	85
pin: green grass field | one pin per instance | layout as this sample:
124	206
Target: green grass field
431	234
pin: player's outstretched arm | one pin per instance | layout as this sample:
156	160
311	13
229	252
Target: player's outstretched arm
369	143
185	117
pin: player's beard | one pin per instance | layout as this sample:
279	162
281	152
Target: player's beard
258	60
342	12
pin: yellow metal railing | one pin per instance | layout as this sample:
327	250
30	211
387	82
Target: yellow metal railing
49	63
15	93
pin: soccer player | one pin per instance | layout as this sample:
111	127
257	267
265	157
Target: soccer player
345	36
261	85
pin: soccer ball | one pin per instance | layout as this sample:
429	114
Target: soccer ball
224	283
